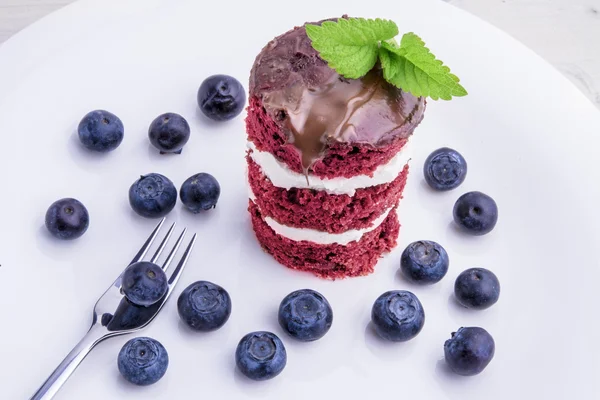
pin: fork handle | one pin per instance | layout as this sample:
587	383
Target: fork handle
64	370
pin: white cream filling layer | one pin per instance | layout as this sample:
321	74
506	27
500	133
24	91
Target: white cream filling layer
281	176
319	237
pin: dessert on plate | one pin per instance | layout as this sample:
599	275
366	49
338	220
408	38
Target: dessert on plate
327	159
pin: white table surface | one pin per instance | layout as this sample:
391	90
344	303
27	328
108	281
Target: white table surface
561	31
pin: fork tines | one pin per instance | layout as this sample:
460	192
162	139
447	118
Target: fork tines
144	250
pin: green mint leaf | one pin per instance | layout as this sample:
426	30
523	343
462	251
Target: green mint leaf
411	67
410	39
351	45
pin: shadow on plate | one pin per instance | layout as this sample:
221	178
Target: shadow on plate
53	247
257	388
329	353
467	243
148	223
410	285
469	316
443	371
428	197
154	155
210	339
455	309
207	122
124	386
385	349
85	158
453	384
203	217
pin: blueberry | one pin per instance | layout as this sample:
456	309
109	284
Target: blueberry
143	361
67	219
169	133
101	131
129	316
477	288
152	196
306	315
221	97
144	283
260	356
200	192
204	306
398	315
469	350
106	318
445	169
476	212
424	262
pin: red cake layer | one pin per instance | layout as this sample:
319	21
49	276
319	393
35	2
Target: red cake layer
314	209
328	261
341	160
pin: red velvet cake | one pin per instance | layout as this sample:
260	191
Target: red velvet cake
327	159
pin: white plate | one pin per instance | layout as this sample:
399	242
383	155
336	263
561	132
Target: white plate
529	136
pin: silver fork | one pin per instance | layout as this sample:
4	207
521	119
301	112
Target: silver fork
113	314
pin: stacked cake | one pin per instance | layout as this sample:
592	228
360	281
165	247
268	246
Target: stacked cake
327	159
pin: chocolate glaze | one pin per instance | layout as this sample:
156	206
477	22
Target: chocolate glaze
314	105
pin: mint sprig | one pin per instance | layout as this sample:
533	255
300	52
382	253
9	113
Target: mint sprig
352	46
413	68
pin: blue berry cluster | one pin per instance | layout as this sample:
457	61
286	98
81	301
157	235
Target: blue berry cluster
203	306
304	315
398	315
220	98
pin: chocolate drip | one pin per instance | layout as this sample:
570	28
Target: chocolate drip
362	110
315	106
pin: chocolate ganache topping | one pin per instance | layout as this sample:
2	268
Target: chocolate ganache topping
314	105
